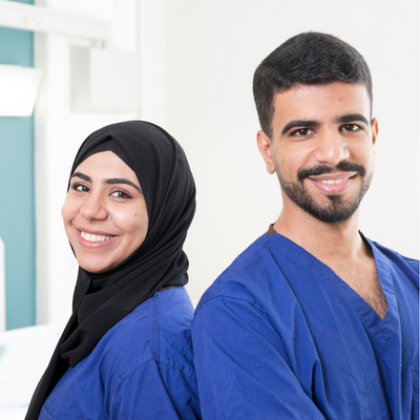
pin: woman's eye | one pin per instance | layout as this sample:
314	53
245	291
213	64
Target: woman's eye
350	127
121	194
80	187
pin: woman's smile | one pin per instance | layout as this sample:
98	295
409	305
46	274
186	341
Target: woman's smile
94	239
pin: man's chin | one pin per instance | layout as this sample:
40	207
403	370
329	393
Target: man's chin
332	218
330	209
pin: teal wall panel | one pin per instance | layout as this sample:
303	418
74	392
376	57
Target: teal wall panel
17	208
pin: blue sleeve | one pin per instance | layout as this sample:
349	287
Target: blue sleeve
241	365
155	391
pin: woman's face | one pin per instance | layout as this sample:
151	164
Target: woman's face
105	214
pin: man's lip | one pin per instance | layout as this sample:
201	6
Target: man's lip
332	188
332	176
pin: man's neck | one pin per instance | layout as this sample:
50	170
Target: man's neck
327	242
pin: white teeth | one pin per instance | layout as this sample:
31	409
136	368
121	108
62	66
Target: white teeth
94	238
333	181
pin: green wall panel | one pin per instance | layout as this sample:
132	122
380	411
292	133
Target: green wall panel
17	209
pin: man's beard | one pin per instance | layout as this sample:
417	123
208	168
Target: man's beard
336	211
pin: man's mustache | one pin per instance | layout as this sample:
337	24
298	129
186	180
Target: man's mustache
325	169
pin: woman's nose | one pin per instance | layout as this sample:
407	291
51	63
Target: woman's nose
94	208
331	148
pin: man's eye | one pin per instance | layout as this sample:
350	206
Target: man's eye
350	127
302	132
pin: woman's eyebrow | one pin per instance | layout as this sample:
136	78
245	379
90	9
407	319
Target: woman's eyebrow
112	181
82	176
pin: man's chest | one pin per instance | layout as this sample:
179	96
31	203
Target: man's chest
363	279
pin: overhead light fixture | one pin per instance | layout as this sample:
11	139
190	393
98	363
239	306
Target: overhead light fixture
19	87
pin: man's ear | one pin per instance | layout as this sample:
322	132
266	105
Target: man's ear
375	129
264	146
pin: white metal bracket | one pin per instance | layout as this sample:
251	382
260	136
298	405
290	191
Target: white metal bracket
36	18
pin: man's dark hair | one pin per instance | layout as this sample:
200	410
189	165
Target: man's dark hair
310	58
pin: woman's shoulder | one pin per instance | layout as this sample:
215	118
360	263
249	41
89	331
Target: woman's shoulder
158	329
173	312
174	334
167	313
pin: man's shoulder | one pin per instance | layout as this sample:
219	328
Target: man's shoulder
252	257
250	274
397	258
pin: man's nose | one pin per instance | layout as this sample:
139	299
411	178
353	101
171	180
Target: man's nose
330	148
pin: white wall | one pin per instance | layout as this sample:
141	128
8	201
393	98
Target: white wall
213	49
197	62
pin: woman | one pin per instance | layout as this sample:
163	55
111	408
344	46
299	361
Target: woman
126	352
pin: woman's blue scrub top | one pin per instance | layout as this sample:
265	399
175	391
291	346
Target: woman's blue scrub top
141	369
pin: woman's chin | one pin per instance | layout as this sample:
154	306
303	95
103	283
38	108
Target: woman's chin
95	267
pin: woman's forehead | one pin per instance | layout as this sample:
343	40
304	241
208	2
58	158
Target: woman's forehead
106	164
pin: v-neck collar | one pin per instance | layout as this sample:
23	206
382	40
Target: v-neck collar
382	330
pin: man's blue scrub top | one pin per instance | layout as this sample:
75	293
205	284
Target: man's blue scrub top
141	369
280	336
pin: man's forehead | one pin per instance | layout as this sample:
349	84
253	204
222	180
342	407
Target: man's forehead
319	102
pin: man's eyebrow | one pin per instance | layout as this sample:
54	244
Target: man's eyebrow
82	176
299	123
350	118
110	181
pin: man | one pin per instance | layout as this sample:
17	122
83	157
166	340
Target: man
313	320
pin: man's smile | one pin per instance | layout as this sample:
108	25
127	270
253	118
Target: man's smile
333	183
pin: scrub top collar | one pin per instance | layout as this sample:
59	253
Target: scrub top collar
383	330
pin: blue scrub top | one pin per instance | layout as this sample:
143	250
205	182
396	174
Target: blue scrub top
280	336
141	369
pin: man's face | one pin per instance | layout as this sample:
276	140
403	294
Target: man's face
322	148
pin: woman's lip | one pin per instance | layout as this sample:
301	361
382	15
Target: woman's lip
95	232
97	244
333	188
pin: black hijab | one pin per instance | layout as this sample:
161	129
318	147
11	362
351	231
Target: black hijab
102	300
